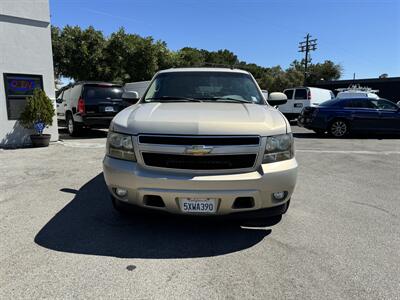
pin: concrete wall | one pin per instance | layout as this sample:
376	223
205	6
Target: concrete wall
25	48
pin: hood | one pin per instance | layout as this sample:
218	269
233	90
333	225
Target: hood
188	118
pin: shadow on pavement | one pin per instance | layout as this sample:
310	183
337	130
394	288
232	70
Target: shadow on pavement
86	134
88	225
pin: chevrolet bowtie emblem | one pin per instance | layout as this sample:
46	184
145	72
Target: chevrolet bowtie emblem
198	150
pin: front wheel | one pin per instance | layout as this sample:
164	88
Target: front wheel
339	128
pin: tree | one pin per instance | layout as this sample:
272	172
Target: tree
324	71
78	53
190	57
85	54
320	71
59	57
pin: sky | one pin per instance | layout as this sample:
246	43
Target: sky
363	36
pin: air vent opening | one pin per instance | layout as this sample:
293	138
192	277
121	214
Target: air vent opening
153	200
243	202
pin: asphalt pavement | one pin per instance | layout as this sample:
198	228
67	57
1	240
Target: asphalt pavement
340	239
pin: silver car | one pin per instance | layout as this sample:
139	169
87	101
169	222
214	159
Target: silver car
203	142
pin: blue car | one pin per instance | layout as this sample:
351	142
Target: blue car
339	117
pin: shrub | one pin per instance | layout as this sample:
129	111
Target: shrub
38	113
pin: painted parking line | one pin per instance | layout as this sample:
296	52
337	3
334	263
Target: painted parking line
82	145
348	152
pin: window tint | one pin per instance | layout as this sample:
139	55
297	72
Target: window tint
385	104
94	93
300	94
289	94
359	103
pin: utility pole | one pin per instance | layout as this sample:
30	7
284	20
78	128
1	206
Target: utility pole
307	46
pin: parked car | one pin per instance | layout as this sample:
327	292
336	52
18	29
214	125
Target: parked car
301	97
339	117
203	142
89	104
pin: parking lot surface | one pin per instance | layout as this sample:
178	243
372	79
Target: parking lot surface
340	239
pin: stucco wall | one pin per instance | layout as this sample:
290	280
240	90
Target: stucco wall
25	47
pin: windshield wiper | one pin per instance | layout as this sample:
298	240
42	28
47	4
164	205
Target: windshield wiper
172	99
227	99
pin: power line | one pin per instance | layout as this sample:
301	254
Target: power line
307	46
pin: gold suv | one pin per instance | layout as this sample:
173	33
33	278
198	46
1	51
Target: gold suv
202	141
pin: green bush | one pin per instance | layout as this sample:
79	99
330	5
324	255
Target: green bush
38	112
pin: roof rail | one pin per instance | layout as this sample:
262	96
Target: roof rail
357	88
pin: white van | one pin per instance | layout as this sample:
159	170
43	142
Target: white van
301	97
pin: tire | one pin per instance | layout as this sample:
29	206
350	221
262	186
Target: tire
73	128
339	128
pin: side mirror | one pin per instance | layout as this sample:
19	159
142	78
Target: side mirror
59	100
277	98
130	96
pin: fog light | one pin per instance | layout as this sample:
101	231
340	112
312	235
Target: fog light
121	192
279	195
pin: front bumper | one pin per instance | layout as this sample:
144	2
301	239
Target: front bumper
259	185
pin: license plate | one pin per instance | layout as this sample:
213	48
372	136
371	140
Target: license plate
196	205
109	109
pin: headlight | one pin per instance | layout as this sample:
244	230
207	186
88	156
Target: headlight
120	146
278	148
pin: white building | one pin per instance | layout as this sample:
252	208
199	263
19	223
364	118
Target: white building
26	62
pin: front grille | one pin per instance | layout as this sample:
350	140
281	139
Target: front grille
199	140
208	162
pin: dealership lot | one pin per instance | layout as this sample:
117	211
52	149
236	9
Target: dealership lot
339	240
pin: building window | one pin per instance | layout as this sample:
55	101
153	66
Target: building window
18	88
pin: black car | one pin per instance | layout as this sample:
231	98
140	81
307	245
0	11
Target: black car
89	104
339	117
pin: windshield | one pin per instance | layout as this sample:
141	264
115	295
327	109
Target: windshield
204	86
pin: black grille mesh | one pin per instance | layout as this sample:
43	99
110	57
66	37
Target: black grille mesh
208	162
